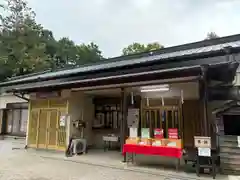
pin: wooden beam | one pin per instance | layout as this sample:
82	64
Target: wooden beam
204	98
123	127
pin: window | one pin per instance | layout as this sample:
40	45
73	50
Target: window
17	116
24	119
107	116
16	121
9	121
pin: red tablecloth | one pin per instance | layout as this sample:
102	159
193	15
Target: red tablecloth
152	150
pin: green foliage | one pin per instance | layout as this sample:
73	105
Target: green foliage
139	48
89	53
20	40
211	35
26	46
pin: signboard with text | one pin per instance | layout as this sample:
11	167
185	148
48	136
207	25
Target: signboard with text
173	133
158	133
202	142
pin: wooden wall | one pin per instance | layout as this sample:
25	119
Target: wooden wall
192	121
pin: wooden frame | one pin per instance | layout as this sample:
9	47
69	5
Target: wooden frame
159	109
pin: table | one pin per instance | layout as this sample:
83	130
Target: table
108	140
152	150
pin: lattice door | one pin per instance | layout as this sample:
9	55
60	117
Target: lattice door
33	128
52	129
42	129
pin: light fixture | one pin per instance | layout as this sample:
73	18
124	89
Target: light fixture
164	87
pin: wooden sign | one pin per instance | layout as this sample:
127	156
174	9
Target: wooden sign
202	142
173	133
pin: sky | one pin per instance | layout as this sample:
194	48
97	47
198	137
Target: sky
114	24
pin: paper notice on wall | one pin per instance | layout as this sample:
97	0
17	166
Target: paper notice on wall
133	117
62	121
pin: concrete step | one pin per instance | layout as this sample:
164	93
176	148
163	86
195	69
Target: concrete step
10	143
231	150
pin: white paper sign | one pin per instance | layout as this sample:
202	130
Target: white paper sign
238	139
110	138
206	152
62	121
145	133
133	132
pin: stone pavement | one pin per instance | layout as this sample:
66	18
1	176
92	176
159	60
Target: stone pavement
20	164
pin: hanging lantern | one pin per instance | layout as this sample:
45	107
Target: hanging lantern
147	101
162	101
132	98
182	99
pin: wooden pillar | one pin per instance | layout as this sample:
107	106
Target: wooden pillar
123	128
1	121
204	98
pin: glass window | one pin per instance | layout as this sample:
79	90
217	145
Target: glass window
16	120
24	119
9	121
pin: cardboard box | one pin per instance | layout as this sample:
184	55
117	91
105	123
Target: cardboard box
172	143
157	142
132	140
145	141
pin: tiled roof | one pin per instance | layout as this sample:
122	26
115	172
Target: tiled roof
164	54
